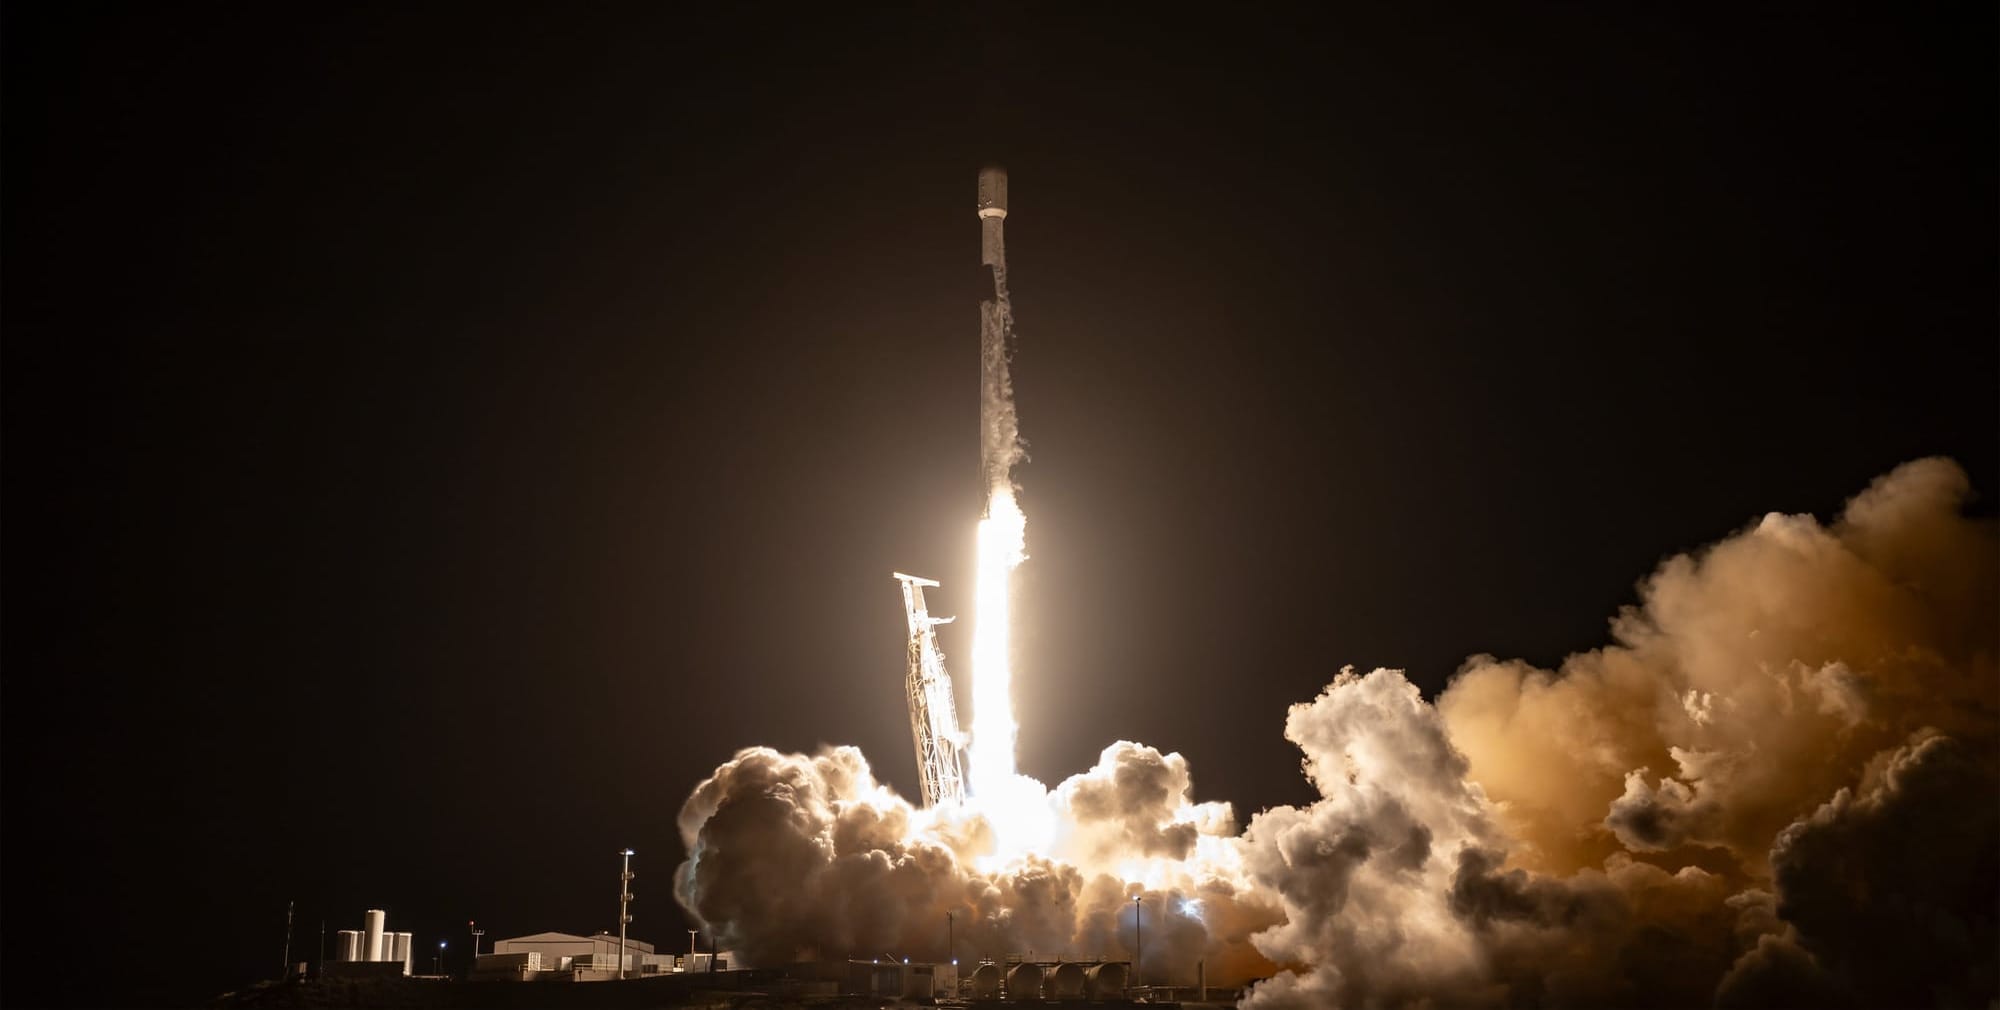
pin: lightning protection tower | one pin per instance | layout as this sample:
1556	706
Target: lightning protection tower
933	714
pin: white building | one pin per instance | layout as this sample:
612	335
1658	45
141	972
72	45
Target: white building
587	956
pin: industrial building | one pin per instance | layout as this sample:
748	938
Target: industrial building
567	956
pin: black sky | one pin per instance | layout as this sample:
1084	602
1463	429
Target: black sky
434	439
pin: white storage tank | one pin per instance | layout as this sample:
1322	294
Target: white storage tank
986	981
373	921
1024	981
348	947
1105	981
401	951
1066	981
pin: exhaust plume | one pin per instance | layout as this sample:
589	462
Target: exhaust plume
794	857
1774	787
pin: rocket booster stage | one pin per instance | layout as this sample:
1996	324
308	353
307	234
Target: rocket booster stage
999	431
1002	527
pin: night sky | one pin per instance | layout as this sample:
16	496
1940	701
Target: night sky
433	440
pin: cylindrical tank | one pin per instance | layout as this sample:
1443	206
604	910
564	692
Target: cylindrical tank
1105	981
1066	981
401	950
371	945
348	946
992	191
1024	981
986	981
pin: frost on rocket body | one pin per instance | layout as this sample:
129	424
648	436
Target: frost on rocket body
1775	787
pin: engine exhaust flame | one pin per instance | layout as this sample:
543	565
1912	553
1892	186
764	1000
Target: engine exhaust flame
1002	547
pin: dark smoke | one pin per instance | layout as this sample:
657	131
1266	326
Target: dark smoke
1889	892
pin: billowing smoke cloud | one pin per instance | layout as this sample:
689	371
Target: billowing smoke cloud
1754	680
1887	891
1364	875
795	857
1776	787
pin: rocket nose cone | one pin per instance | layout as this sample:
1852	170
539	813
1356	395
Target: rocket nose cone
993	188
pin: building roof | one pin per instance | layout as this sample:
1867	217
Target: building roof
552	937
545	938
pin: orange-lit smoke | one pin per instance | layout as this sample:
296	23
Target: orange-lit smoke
1774	787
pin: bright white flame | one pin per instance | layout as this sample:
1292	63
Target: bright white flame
1002	538
1023	820
1016	806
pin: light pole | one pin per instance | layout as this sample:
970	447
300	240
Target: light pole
286	971
691	935
950	941
437	967
1139	933
624	902
473	928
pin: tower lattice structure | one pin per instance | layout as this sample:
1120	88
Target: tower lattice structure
933	713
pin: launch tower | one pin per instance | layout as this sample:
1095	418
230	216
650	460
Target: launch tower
933	713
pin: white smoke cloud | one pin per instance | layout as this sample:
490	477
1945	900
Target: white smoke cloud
1775	787
1364	875
795	857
